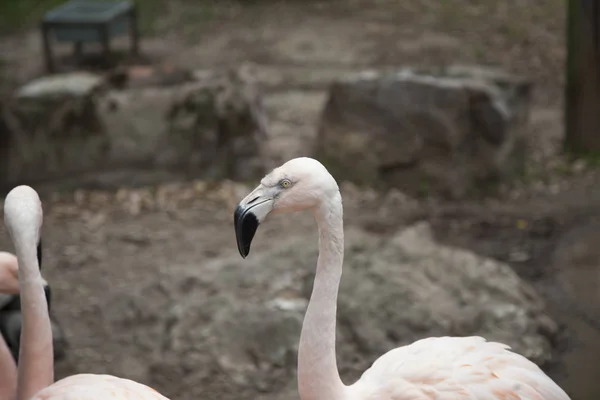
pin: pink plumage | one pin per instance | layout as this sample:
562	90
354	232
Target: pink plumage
451	368
97	387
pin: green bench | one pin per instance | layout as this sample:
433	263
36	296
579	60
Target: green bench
89	21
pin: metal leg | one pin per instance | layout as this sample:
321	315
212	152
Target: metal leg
105	40
47	47
134	30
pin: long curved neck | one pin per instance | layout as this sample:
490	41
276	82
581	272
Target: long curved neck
36	362
318	377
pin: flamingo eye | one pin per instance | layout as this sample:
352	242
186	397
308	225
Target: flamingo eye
285	183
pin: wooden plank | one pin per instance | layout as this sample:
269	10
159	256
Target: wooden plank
582	108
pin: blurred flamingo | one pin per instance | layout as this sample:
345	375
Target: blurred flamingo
23	217
10	305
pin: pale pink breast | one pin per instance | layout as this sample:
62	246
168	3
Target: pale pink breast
96	387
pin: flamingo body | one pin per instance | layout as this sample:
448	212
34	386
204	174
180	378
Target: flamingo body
97	387
453	368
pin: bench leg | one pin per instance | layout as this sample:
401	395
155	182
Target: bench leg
105	40
47	47
135	33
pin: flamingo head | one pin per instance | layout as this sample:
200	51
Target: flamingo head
299	184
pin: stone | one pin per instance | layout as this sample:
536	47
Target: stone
214	127
75	128
76	84
218	126
230	328
425	131
52	128
135	121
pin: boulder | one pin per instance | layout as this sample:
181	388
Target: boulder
214	127
217	126
51	128
135	121
425	131
229	329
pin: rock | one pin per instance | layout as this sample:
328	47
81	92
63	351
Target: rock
230	328
73	126
53	128
217	126
211	128
447	291
423	131
77	84
135	121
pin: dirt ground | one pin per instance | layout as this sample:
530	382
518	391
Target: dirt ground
545	226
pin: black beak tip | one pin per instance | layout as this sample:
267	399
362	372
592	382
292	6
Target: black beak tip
245	224
243	247
39	253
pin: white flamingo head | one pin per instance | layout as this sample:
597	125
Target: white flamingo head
23	214
299	184
23	218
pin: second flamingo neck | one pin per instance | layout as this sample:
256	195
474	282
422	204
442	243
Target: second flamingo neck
318	377
36	363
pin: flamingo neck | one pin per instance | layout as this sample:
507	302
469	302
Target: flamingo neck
36	362
318	377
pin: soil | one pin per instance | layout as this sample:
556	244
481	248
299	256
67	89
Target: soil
544	226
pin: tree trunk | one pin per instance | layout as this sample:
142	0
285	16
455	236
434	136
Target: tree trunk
583	77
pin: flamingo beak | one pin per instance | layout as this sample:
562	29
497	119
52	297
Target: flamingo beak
248	215
39	253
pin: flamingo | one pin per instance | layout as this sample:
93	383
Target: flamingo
10	302
442	368
23	217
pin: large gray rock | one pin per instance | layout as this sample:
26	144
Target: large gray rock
52	128
135	120
230	329
421	131
214	127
